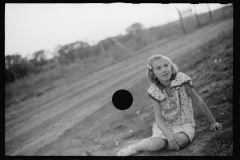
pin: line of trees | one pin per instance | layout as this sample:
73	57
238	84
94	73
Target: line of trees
17	67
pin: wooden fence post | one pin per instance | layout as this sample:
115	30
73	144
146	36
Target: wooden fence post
184	31
118	43
102	47
210	14
196	16
56	61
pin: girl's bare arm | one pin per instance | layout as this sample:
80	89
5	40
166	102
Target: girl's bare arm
199	103
158	116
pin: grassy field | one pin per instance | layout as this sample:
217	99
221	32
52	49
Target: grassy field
211	70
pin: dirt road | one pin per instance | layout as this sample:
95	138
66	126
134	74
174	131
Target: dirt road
32	124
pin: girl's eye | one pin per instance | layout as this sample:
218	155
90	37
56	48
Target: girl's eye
166	65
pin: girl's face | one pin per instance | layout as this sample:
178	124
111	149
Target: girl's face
162	69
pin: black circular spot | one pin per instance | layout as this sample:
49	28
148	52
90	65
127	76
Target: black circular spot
122	99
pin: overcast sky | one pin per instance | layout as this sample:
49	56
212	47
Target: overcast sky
33	27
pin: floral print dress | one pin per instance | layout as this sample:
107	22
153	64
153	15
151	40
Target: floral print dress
177	111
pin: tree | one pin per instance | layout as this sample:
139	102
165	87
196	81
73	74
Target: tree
135	29
16	67
39	60
10	61
39	56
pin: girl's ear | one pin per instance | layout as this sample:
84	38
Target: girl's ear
154	75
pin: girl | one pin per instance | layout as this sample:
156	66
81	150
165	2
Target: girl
172	95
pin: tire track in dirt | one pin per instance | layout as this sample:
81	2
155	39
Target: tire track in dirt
37	132
82	89
54	117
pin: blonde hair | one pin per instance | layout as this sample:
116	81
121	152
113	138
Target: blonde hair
150	74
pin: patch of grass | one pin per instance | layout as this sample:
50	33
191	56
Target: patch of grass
212	78
221	145
37	84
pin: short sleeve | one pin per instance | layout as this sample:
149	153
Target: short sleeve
156	93
180	80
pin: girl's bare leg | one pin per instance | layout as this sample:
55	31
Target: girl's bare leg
150	144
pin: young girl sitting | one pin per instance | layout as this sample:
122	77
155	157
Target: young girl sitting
172	95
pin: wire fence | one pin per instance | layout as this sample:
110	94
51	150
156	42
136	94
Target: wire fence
191	19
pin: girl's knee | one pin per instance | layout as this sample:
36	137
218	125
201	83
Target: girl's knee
183	141
157	144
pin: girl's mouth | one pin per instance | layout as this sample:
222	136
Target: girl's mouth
165	74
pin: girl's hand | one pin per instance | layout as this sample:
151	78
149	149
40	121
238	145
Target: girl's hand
172	140
215	126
